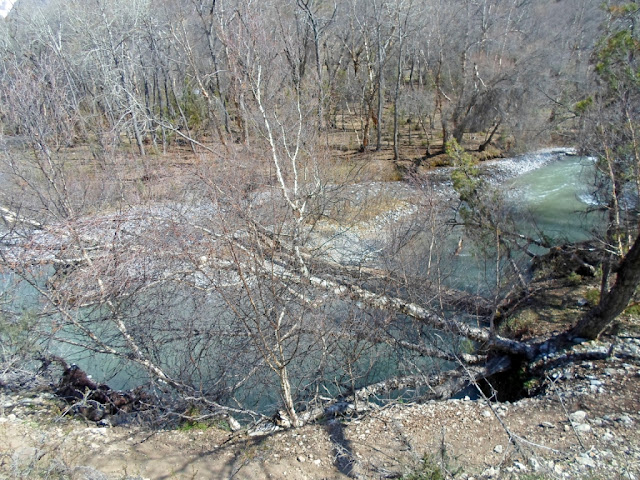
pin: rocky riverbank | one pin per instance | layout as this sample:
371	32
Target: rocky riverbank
584	424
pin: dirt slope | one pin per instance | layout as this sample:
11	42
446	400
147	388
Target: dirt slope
584	425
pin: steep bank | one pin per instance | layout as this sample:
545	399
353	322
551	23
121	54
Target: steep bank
584	425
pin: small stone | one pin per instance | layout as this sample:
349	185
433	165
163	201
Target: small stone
626	419
498	449
547	425
11	417
234	425
578	416
486	413
583	428
520	466
535	464
317	462
301	459
586	460
491	472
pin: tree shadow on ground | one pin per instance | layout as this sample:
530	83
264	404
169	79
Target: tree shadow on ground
343	453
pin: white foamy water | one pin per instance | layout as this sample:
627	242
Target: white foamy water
521	164
589	199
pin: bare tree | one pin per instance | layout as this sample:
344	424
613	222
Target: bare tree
227	272
314	15
610	134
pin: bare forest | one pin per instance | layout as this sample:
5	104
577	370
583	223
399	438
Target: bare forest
236	204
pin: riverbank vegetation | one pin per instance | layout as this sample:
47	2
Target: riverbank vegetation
237	204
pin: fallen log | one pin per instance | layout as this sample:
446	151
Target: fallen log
437	386
12	218
440	386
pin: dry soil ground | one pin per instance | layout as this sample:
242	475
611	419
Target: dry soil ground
584	425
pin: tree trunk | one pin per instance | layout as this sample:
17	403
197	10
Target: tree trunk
396	153
616	300
486	143
285	389
316	43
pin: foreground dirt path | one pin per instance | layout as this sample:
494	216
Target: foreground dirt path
585	425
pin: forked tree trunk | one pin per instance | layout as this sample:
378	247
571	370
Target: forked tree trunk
486	143
287	398
615	300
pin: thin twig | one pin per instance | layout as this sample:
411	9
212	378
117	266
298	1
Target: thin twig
566	412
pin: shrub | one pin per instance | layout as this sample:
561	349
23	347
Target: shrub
519	325
427	470
20	345
633	309
191	421
574	279
592	296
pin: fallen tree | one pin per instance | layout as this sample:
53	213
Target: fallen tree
242	265
220	286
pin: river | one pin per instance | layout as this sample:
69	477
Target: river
558	195
551	186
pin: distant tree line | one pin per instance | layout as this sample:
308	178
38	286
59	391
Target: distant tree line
157	72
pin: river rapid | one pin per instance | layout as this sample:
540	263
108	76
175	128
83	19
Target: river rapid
557	190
